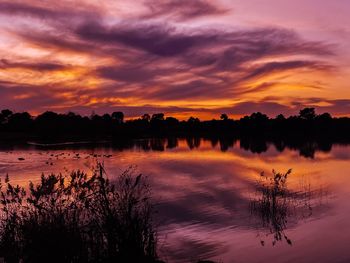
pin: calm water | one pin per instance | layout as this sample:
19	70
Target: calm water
203	194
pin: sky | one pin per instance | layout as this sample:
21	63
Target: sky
180	57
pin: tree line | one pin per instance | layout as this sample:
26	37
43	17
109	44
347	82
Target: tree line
51	125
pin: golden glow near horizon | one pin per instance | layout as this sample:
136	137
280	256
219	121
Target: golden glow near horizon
167	56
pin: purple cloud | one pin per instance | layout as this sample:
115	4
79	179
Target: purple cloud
40	66
182	9
155	60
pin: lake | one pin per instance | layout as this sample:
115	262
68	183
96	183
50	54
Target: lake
208	195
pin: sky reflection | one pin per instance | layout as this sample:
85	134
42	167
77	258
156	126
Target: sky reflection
203	196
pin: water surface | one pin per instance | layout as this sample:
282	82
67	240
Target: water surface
203	192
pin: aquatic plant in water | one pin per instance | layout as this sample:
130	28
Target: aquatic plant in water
275	205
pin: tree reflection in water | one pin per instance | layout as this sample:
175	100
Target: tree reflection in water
277	207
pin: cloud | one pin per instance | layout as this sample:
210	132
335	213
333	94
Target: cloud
150	62
196	89
204	55
269	108
230	46
21	97
155	39
340	107
40	66
62	11
182	9
14	8
129	73
272	67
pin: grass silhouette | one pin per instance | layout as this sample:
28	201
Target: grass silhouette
277	206
78	218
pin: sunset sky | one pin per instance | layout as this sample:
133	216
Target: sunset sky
180	57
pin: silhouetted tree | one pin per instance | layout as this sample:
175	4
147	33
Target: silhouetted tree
118	116
106	117
171	121
325	117
280	117
158	117
20	121
292	132
258	116
307	114
4	116
47	116
6	113
193	120
146	117
224	117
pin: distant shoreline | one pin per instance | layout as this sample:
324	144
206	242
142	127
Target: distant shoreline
306	147
65	143
54	128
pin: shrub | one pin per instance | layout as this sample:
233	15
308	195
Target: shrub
78	218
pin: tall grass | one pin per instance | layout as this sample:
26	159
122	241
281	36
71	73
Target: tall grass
277	206
78	218
273	204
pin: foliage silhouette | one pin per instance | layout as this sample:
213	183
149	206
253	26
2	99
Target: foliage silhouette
307	132
118	117
307	114
276	205
272	207
78	218
54	126
224	117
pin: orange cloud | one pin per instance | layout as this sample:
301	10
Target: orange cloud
87	56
